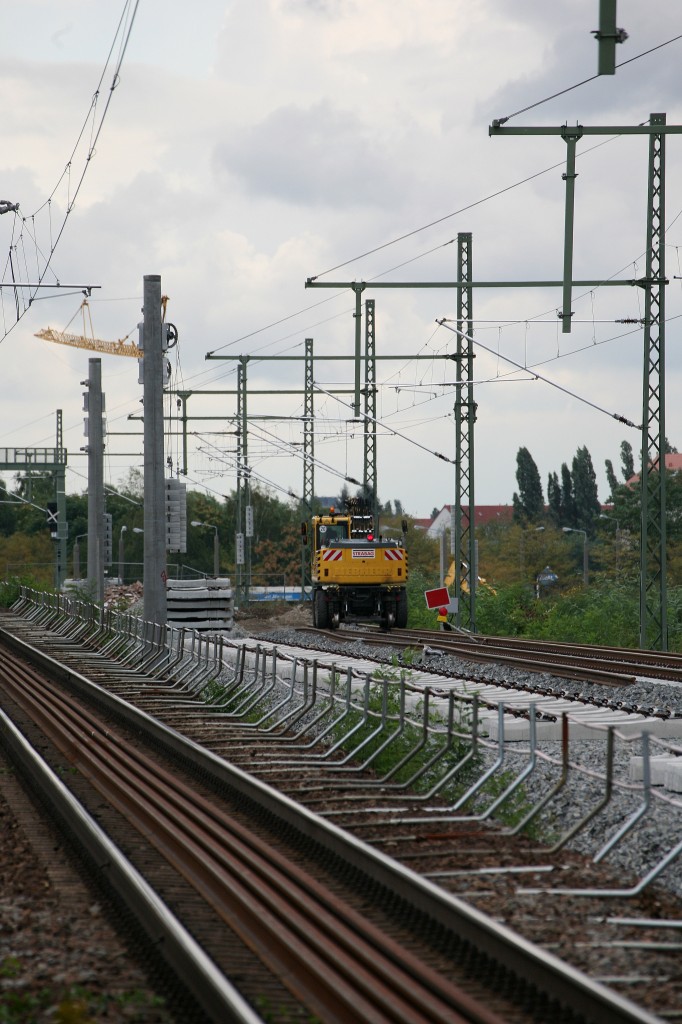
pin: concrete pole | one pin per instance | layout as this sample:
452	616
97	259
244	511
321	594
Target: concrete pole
60	489
95	482
155	576
216	553
121	553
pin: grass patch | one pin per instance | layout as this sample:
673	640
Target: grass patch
76	1004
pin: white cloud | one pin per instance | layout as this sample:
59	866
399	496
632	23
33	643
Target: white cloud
260	143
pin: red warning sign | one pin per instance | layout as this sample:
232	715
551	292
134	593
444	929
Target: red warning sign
437	598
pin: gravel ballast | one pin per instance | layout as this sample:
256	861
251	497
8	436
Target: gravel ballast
659	828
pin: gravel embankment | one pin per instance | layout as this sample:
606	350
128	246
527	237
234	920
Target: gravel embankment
60	957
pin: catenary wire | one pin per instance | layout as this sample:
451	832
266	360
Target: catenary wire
396	433
502	120
462	209
95	133
545	380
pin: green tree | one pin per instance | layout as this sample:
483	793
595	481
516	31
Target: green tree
611	477
585	491
568	510
134	483
529	503
554	498
280	563
344	495
627	460
8	512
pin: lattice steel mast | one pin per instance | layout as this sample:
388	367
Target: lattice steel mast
653	591
462	533
369	478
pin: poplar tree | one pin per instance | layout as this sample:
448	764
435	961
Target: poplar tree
568	513
627	460
554	498
611	477
587	505
529	504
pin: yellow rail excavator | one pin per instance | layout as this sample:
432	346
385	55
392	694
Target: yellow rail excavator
356	575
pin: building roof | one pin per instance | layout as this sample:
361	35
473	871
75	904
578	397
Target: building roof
483	514
673	463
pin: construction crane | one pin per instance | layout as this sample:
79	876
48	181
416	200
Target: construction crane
122	347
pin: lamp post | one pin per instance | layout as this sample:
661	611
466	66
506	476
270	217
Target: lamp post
216	545
121	553
77	556
614	520
571	529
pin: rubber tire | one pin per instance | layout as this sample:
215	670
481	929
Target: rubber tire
321	610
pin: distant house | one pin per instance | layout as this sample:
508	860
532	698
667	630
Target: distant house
673	463
483	514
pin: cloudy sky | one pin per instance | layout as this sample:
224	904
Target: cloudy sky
252	144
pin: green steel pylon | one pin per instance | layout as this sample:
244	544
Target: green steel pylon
462	530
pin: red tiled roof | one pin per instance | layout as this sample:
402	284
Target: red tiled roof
488	513
483	514
673	462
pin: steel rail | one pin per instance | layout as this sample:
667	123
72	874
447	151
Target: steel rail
551	976
342	967
563	666
659	664
212	991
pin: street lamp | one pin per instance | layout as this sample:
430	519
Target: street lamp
77	556
216	545
121	553
571	529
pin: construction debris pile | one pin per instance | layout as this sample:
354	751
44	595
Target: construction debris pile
122	595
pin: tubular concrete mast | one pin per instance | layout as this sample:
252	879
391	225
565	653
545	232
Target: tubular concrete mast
95	449
155	575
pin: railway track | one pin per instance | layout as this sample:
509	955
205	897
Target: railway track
608	666
442	855
342	968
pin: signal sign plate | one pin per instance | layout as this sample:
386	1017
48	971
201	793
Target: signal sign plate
437	598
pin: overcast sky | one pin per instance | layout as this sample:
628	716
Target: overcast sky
252	144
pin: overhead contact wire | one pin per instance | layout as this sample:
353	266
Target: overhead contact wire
502	120
396	433
537	376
